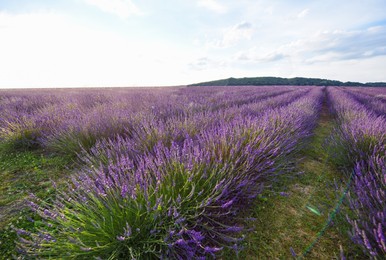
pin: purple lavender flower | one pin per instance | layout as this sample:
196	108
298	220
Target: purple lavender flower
121	238
284	194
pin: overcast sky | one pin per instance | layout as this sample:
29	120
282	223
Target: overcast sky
78	43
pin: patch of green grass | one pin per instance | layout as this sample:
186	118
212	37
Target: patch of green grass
296	219
23	172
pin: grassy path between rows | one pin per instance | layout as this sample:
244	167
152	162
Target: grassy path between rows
292	216
22	173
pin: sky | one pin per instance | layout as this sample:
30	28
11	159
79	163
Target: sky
92	43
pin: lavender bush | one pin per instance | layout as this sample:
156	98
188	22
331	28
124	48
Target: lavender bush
367	200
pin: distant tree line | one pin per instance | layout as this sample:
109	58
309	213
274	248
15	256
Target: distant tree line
270	81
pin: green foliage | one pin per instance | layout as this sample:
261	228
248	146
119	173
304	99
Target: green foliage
150	215
22	172
272	81
71	143
21	136
8	234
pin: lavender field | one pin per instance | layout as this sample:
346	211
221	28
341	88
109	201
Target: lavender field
174	173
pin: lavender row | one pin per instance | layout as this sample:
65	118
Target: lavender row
376	103
377	92
178	200
360	130
361	137
272	102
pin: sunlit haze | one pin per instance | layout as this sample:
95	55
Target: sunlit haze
91	43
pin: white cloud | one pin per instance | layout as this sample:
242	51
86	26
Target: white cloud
121	8
259	55
322	47
343	44
213	5
243	26
205	63
233	35
303	13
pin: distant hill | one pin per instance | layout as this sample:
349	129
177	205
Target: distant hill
270	81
